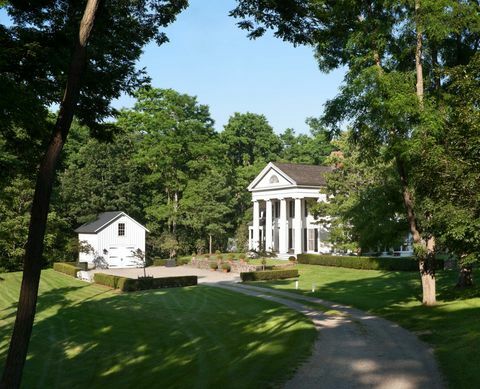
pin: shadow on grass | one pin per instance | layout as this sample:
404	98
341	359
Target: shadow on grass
190	337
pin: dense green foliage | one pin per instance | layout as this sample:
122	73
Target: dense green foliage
67	268
268	275
365	211
85	335
365	263
451	327
166	167
146	283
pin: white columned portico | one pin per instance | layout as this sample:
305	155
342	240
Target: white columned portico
256	225
297	225
283	228
268	226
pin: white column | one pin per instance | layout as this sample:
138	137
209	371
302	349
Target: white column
268	226
283	228
297	225
256	225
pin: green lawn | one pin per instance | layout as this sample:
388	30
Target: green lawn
89	336
452	327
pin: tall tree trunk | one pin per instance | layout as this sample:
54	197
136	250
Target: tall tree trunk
175	212
210	244
426	259
418	54
34	249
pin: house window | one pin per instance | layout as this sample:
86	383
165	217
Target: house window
121	229
291	206
273	180
312	237
305	239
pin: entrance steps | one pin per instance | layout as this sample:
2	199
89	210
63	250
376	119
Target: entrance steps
284	256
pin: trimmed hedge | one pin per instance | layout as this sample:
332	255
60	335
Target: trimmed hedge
364	263
159	262
66	268
143	283
115	282
268	275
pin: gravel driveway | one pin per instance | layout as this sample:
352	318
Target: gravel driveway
355	350
204	276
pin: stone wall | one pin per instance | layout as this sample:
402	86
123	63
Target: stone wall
236	266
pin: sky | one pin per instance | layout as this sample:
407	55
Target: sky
208	56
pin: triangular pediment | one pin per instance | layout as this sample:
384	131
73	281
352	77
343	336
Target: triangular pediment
271	177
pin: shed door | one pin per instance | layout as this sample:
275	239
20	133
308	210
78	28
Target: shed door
119	256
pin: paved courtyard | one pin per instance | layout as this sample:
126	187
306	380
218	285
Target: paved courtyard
204	276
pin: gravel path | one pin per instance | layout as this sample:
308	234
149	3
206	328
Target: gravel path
204	276
355	349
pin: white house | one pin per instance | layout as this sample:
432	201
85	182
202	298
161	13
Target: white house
113	238
281	196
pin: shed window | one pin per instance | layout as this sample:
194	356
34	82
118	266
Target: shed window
121	229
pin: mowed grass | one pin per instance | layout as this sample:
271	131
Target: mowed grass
452	327
87	336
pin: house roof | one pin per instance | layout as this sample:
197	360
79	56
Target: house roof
310	175
103	219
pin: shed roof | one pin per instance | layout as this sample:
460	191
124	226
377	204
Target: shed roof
103	219
311	175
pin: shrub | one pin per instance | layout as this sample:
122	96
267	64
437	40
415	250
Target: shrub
291	258
207	256
219	257
218	252
364	263
110	280
226	266
66	268
143	283
183	261
242	256
268	275
214	265
231	257
159	262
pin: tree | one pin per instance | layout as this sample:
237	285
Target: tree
448	171
100	176
309	149
394	51
205	206
52	65
177	142
249	137
365	210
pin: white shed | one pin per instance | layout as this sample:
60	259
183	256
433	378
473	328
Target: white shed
112	238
